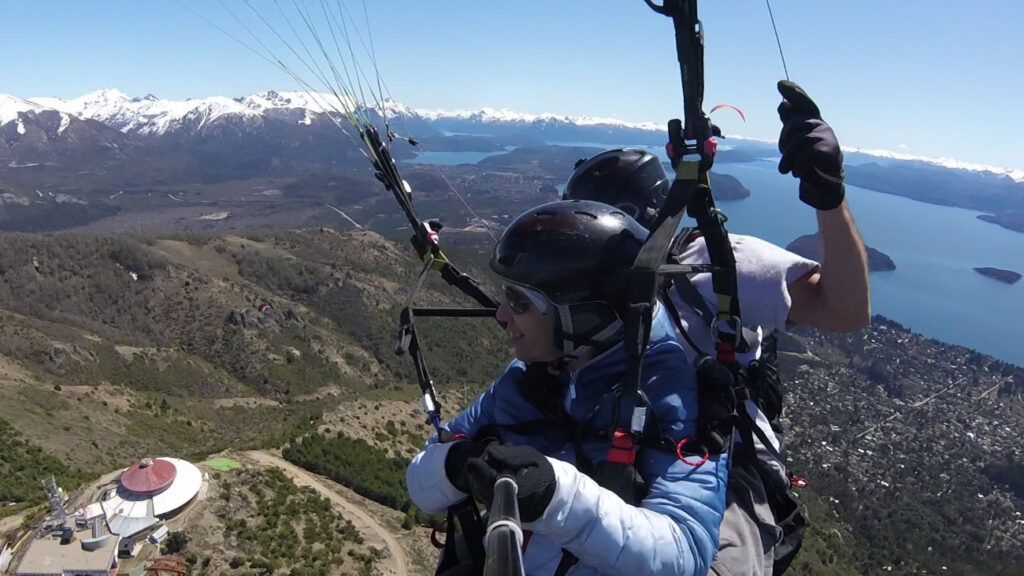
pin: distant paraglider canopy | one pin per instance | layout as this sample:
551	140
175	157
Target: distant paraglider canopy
738	111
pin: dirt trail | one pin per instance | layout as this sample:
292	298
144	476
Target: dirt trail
362	521
11	523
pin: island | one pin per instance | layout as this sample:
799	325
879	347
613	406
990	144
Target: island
1007	276
809	246
726	187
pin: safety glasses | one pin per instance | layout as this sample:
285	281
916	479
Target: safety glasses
520	299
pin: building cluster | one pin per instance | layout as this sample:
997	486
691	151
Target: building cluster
889	416
90	540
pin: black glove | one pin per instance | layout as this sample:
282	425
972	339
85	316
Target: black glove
810	150
531	470
455	462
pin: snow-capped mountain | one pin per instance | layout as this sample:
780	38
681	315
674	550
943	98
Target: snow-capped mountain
266	133
33	133
260	113
506	116
150	115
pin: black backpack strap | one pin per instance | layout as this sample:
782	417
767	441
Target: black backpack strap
689	294
793	524
464	541
673	311
764	375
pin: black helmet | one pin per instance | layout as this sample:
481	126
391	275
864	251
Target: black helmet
578	254
632	180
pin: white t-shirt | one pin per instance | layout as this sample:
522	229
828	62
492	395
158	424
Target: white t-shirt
763	274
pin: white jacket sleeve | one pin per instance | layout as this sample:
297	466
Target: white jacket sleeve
428	485
425	477
672	532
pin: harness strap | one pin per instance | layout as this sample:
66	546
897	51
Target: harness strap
463	526
674	312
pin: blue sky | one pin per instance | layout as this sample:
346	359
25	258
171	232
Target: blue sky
935	78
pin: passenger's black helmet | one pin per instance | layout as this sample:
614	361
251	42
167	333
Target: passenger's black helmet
632	180
578	254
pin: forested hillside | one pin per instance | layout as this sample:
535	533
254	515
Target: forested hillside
115	348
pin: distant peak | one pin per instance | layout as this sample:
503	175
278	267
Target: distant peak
109	94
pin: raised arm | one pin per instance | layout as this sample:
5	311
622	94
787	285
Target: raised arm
836	298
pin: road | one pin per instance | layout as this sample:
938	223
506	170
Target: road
362	521
11	523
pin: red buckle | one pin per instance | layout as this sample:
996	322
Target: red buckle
679	453
710	146
725	352
622	451
798	482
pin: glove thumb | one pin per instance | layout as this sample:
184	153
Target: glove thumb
796	100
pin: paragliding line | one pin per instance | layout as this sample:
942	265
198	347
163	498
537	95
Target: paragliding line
345	216
777	41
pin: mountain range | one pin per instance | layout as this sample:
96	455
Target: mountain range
55	153
150	115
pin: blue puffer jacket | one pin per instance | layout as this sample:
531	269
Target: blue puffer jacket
675	528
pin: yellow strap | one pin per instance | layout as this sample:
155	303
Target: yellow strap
687	169
724	305
440	261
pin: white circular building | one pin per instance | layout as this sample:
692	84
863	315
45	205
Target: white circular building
153	489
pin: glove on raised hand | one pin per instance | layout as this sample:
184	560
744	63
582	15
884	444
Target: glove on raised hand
810	150
531	470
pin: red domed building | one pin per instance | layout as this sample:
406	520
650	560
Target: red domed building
149	476
153	489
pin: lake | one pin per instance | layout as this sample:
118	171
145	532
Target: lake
934	289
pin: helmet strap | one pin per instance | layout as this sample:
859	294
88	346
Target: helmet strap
577	345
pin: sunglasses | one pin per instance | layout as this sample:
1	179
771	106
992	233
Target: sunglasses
520	300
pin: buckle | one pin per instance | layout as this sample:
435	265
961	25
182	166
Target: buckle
623	451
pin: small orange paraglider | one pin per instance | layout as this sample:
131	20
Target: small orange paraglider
738	111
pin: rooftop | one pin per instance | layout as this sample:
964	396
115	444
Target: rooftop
47	555
149	476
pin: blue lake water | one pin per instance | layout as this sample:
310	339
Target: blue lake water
934	289
453	158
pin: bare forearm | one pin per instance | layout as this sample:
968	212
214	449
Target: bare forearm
843	287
